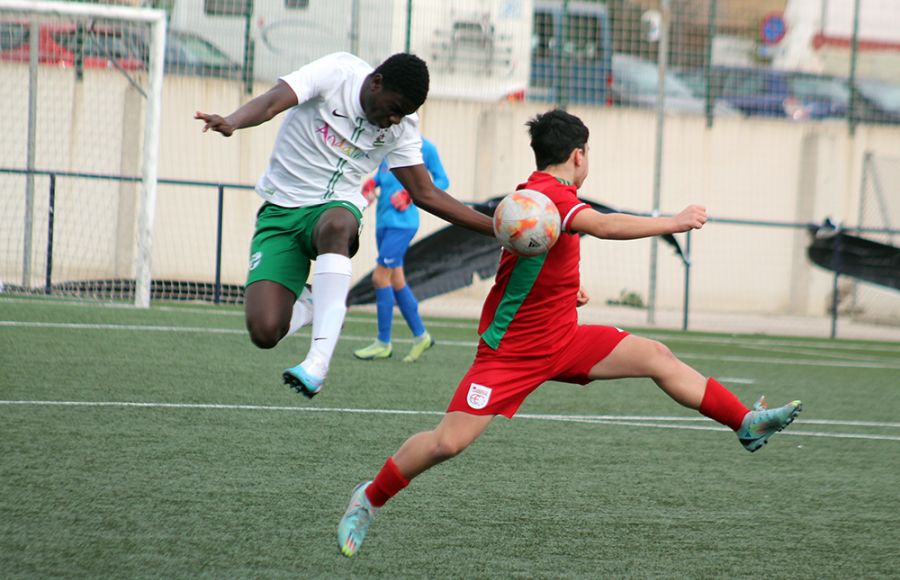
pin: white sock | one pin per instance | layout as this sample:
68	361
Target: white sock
331	283
301	316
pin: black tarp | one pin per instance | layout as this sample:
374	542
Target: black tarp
854	256
448	259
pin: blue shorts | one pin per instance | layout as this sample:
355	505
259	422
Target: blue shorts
392	245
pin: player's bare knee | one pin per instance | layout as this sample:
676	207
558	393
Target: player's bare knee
662	352
338	234
265	336
661	360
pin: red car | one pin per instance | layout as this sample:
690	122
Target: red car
57	43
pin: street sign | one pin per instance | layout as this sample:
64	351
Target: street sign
772	28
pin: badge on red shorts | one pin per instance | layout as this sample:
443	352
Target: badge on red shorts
478	396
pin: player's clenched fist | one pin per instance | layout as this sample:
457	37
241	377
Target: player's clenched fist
691	218
215	122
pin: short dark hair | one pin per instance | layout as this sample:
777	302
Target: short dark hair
406	74
554	135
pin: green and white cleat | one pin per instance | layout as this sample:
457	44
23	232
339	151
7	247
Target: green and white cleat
355	523
421	344
376	350
761	423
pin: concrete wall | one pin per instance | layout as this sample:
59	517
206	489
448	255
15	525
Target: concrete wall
748	169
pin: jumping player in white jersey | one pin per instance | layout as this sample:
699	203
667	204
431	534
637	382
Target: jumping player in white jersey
343	119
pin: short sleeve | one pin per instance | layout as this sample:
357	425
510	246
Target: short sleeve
564	196
408	149
568	209
316	78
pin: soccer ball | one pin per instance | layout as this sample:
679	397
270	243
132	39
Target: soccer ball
526	223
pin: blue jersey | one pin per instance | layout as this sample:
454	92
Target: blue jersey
386	215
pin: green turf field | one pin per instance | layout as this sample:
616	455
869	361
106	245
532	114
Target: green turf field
161	443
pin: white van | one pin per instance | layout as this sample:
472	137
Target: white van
286	34
819	35
476	49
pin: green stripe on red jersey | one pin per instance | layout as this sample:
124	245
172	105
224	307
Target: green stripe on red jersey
521	280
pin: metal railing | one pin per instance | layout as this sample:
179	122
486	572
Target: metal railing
53	175
685	253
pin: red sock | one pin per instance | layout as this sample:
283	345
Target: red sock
720	404
387	484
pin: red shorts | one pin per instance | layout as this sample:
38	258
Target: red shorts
497	384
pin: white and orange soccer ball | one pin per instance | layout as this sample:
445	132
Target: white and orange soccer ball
526	223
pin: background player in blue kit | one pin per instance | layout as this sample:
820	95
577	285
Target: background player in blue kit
396	223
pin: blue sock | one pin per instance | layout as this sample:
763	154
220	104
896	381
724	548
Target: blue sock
409	307
384	300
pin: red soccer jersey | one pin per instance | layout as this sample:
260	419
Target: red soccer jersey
531	309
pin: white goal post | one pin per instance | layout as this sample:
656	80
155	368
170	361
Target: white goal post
30	157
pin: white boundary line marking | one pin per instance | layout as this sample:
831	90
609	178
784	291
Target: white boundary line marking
805	351
134	327
840	344
621	420
462	343
791	361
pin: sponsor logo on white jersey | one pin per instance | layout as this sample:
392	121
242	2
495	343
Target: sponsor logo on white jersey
479	396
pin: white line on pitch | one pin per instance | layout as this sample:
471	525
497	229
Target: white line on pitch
628	421
462	343
815	353
711	428
773	341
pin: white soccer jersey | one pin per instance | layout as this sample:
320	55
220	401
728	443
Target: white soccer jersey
325	146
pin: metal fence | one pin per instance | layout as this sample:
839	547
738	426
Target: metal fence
207	285
73	280
791	59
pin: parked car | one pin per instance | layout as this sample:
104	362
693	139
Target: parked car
635	83
58	45
878	102
817	96
188	53
772	93
571	50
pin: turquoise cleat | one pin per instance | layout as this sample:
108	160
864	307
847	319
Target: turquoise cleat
761	423
355	523
302	381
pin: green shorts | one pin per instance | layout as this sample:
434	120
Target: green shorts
282	246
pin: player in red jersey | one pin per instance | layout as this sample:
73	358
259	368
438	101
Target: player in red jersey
530	334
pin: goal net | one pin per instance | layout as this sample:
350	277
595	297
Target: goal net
81	91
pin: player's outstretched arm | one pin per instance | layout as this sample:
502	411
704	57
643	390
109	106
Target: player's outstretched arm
254	112
417	181
619	226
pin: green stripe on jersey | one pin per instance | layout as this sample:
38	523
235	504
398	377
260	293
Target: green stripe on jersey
358	130
522	278
335	177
